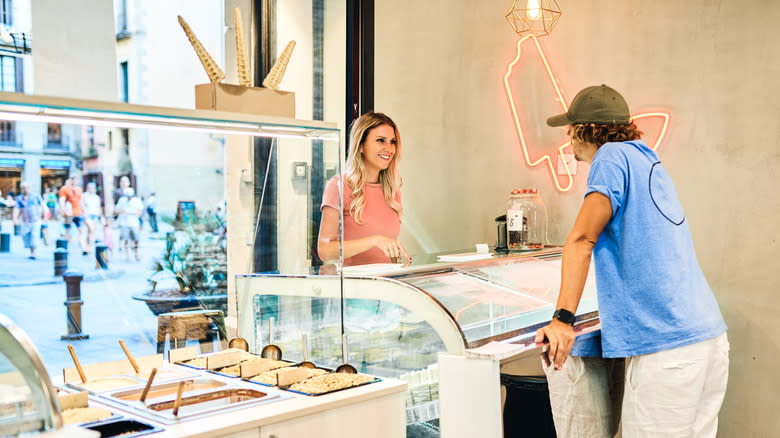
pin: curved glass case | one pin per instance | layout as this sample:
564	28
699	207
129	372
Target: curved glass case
399	319
28	402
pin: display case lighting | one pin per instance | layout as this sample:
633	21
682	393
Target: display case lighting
36	109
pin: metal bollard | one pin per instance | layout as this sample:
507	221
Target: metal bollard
73	305
62	243
60	261
101	256
5	242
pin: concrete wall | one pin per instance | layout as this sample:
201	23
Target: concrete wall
712	65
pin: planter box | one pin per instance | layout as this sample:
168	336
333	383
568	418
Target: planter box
160	305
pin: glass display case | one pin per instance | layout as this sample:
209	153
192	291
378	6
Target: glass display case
397	320
28	402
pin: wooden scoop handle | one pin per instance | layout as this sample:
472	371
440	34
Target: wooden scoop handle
76	362
129	356
179	391
148	385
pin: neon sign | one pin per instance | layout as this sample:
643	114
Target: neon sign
559	97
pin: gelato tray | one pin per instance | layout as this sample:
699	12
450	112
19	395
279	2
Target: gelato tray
286	376
166	390
318	383
199	397
122	427
104	384
206	402
252	367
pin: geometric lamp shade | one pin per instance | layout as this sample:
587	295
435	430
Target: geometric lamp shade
537	17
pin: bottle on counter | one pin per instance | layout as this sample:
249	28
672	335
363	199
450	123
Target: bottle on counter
526	220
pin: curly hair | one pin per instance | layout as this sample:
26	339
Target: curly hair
599	134
356	169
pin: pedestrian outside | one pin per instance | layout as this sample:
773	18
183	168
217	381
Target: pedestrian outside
129	208
93	210
29	212
72	194
151	210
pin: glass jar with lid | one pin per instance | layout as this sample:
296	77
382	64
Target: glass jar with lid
526	220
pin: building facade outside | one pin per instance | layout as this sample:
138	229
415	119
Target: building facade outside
42	154
155	66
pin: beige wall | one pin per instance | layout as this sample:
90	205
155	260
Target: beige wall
714	66
74	49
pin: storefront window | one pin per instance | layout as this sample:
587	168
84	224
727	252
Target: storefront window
8	73
178	180
54	134
7	133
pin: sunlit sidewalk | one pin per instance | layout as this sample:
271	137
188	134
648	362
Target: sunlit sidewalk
32	297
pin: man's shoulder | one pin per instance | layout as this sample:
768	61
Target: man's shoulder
622	152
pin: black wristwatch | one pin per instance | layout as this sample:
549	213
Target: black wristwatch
564	315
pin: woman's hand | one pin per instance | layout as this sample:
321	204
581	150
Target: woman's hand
391	247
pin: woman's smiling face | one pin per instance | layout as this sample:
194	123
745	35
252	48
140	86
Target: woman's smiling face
378	150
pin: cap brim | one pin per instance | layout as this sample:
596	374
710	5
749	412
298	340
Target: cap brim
559	120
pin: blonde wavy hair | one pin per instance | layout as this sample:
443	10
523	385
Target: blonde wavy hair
356	168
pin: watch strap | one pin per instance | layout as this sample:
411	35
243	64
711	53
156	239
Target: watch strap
565	316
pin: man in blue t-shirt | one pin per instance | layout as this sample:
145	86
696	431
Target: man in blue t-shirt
657	311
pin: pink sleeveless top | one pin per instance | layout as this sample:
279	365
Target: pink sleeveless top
378	218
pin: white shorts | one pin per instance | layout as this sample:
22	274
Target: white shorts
585	396
30	232
671	393
677	392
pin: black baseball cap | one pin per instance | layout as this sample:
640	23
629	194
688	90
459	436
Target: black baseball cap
597	104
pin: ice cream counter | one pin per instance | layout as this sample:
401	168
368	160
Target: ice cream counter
187	400
399	319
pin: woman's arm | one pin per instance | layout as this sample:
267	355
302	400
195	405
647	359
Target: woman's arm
328	242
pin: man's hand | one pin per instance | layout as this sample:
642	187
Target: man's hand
560	338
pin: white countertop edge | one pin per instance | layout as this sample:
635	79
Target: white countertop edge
233	421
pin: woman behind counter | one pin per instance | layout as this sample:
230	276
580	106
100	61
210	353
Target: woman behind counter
372	197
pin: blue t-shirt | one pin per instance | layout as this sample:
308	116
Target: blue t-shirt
652	293
31	207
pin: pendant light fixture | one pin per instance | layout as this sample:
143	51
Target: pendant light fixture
533	17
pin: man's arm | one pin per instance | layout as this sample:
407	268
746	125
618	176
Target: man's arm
62	200
595	213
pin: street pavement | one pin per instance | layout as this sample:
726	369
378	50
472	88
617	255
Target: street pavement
33	298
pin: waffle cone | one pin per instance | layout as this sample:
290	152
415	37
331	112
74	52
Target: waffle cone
215	73
276	74
241	54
